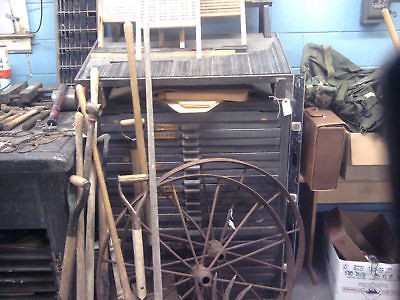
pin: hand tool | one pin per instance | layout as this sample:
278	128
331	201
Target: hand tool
91	206
137	239
66	280
33	120
80	254
30	92
141	150
57	104
10	125
107	206
70	242
12	92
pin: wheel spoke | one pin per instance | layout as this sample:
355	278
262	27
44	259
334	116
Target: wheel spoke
184	223
275	196
198	292
259	286
243	280
257	261
187	216
242	257
242	223
168	236
188	292
222	238
260	240
169	249
211	217
172	263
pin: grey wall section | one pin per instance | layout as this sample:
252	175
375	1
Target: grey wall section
332	22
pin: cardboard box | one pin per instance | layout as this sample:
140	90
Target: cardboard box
356	192
361	280
323	141
365	158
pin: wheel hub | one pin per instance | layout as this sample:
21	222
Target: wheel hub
214	249
202	275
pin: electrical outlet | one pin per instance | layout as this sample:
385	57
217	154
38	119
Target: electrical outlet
371	11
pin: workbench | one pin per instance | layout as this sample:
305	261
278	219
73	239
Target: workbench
33	198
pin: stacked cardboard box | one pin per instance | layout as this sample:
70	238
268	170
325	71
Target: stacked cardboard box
343	167
362	257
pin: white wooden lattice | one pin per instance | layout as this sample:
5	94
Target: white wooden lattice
223	8
168	14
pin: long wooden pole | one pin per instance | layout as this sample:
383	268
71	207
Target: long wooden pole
391	28
91	205
155	235
80	243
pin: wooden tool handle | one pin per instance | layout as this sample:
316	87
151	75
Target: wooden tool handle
68	267
21	119
129	122
391	28
139	263
79	181
32	122
94	86
80	92
132	178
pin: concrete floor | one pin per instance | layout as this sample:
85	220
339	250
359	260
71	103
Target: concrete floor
306	290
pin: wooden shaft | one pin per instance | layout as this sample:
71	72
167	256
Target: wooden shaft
80	250
109	214
135	98
21	119
12	117
80	93
78	181
90	236
67	272
91	206
391	28
111	225
129	122
32	121
132	178
6	115
153	204
182	38
139	263
161	38
94	86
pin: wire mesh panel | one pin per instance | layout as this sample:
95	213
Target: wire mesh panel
76	35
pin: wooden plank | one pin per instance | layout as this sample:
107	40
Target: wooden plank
113	56
238	95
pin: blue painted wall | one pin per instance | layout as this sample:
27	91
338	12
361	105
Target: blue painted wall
40	65
333	22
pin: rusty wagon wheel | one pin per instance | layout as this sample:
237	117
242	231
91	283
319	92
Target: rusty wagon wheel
223	234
